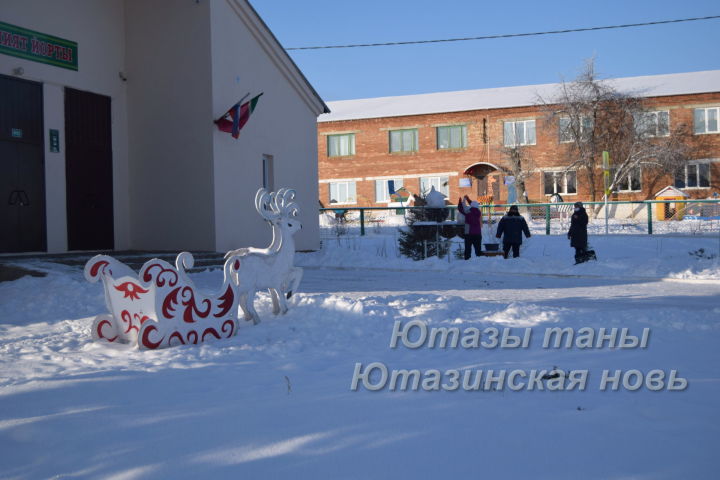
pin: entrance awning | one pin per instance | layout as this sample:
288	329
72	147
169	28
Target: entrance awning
481	169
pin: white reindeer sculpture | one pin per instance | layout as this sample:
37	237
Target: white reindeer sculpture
270	268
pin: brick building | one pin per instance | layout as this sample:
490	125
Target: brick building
454	142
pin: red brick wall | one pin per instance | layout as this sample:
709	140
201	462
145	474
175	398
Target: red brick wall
484	139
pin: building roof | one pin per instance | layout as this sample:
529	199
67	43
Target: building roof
508	97
671	191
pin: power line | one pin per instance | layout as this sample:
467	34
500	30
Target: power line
508	35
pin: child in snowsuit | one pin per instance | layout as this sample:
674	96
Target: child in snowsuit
513	225
473	225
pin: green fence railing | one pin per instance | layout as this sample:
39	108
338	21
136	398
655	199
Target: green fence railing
672	210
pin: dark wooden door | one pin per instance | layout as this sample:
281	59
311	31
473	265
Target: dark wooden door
494	187
88	171
481	183
22	167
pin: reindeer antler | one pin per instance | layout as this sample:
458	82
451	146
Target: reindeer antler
283	203
264	202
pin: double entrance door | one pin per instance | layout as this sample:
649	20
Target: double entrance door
88	172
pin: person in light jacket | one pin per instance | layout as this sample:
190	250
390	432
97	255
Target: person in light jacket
473	226
512	225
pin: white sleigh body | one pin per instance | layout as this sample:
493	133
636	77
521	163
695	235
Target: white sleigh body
161	307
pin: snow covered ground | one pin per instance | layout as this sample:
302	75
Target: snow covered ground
636	256
275	401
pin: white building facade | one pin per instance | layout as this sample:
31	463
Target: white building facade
108	140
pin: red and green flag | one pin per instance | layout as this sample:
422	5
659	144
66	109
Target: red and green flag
238	117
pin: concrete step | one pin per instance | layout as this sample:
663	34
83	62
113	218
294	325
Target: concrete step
133	259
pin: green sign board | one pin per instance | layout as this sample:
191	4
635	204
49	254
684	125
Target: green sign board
606	171
38	47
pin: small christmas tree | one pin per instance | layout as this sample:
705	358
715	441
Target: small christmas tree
422	241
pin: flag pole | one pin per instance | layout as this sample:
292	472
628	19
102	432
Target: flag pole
236	103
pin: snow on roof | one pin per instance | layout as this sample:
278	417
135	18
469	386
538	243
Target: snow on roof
507	97
671	191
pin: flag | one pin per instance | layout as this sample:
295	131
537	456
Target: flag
239	116
225	125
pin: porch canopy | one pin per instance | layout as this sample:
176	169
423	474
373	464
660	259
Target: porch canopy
481	169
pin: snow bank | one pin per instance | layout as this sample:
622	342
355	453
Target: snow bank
619	256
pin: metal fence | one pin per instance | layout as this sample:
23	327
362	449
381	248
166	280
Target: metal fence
688	217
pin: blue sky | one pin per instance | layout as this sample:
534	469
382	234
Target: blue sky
341	74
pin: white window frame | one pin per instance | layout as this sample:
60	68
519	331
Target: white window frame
403	148
338	137
627	181
516	127
450	128
382	194
349	199
586	125
647	124
562	183
705	115
441	184
687	174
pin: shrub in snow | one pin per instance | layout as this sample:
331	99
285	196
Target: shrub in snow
419	241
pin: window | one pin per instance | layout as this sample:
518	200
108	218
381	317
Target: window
568	127
706	120
441	185
342	192
382	190
268	174
560	182
404	140
451	137
519	133
653	124
631	182
693	176
341	145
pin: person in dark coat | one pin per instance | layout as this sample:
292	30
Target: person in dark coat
473	225
512	225
578	232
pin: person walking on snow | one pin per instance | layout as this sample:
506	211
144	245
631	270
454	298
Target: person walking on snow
473	225
513	225
578	232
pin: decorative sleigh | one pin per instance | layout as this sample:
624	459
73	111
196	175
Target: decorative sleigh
161	306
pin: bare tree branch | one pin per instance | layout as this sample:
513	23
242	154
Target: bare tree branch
594	117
